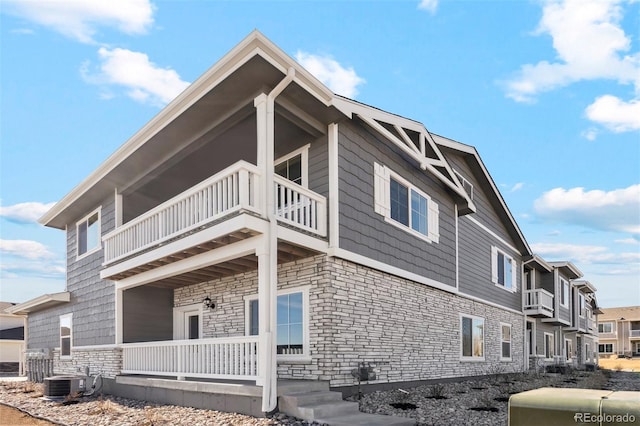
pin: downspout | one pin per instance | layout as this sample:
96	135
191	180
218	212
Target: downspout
270	385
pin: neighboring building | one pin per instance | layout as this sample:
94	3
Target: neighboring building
12	342
619	331
261	227
562	314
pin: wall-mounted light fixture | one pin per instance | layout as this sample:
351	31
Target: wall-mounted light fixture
208	303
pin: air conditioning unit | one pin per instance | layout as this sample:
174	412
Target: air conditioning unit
58	387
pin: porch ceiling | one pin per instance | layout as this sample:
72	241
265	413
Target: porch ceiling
287	252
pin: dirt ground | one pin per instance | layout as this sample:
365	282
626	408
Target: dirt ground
10	417
620	364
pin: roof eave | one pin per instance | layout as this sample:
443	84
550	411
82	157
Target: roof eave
39	303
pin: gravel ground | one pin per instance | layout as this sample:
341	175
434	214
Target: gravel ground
459	399
455	406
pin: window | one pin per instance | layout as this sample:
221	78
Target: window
88	233
549	349
505	354
605	348
605	327
568	349
564	293
294	166
404	205
581	305
468	186
503	269
66	325
472	336
292	321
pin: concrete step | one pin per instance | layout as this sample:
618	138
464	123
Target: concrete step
288	387
327	409
306	398
365	419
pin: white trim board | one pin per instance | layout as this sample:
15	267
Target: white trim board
493	234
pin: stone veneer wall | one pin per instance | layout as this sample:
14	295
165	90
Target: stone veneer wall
407	331
107	361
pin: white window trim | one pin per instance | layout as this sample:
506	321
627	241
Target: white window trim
178	319
567	356
304	162
564	282
509	358
99	246
382	201
612	324
306	354
613	348
484	335
553	346
494	269
70	316
582	303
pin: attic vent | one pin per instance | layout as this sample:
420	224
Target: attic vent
468	186
61	386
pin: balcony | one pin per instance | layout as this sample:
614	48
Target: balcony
234	358
221	210
634	333
538	303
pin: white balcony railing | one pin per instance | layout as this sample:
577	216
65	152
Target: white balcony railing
234	358
232	189
538	299
300	207
634	333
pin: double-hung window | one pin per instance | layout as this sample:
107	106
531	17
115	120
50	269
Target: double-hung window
605	348
66	326
505	340
88	233
503	269
605	327
582	305
472	338
404	205
292	321
564	293
549	346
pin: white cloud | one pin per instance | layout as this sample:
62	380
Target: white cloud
590	134
343	81
25	249
517	187
428	5
25	212
143	80
617	210
589	43
79	19
23	31
585	254
627	241
615	114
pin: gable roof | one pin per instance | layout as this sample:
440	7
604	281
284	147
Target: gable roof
496	198
259	65
629	313
569	269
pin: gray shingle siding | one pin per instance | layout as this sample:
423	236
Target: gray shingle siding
319	167
92	299
474	247
365	232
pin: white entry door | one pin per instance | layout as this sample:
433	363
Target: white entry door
187	322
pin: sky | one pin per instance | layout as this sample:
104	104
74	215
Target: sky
548	91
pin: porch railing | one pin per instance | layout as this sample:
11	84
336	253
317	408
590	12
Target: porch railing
300	207
232	189
538	298
225	358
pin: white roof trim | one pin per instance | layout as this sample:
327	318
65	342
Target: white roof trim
39	303
254	43
570	266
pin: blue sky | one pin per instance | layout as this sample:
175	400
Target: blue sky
547	91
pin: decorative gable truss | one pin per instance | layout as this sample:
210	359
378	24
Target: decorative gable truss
414	140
